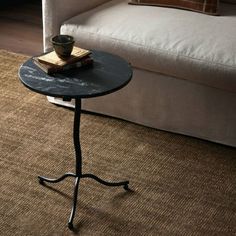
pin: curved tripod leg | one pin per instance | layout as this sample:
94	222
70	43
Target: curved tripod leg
125	184
49	180
72	214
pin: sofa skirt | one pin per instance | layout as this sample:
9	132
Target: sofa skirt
170	104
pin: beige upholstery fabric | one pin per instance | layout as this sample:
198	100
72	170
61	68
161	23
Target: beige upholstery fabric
167	103
183	44
204	6
55	12
171	104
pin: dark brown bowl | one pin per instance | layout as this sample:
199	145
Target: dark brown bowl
63	45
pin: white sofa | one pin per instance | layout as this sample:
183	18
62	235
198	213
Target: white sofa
184	63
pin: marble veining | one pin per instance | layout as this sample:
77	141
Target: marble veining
29	69
37	77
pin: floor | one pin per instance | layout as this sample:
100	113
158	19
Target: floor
21	28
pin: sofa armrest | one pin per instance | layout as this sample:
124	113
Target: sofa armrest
55	12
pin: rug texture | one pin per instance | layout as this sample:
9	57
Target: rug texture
181	185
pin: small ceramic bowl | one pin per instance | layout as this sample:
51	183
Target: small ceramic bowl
63	45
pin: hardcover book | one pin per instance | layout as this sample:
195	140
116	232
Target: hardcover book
52	59
51	69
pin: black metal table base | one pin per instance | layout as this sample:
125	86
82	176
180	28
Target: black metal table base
77	180
78	175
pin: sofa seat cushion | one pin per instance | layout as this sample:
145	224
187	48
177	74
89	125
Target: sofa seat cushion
184	44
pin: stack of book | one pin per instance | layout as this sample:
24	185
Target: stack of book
51	63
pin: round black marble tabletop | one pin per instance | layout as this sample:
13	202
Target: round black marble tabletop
108	74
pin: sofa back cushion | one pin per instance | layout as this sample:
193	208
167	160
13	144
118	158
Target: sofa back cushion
204	6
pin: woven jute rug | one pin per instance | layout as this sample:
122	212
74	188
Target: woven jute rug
181	185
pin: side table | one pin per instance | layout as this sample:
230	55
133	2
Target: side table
108	74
